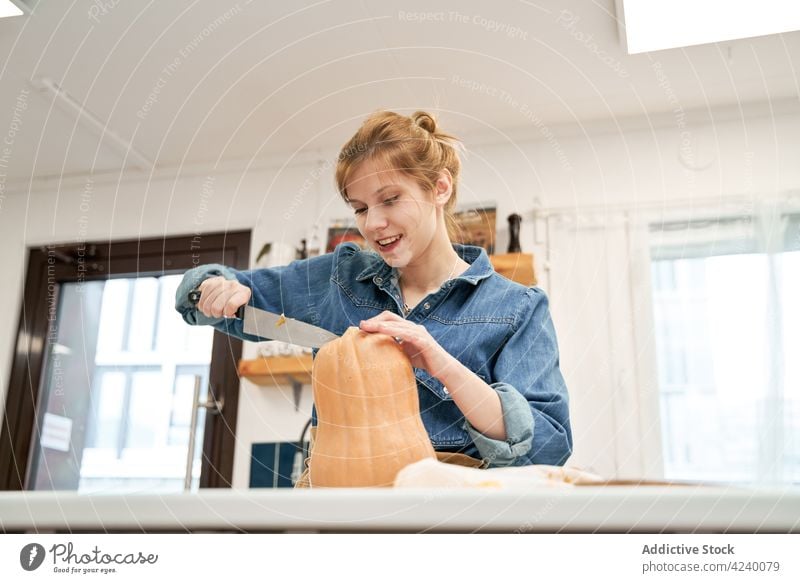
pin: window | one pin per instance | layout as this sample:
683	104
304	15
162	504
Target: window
726	324
130	409
104	366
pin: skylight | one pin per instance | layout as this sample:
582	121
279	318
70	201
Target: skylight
652	25
8	8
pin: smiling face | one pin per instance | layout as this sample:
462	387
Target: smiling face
394	214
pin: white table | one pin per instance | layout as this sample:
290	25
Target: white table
647	509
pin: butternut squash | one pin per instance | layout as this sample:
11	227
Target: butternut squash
368	421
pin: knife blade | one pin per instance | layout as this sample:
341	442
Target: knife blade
272	326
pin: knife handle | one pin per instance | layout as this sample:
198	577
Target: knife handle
194	297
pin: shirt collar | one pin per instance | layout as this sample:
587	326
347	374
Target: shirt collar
480	267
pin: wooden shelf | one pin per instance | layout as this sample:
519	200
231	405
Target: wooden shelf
515	266
277	370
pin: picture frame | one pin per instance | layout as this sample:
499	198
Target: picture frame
342	232
477	226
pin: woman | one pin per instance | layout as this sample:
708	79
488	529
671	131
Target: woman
483	347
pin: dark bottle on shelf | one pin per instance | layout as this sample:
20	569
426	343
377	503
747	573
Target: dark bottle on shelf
513	227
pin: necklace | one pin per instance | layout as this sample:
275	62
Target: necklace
406	309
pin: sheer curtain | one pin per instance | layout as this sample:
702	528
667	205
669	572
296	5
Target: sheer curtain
679	332
725	294
598	274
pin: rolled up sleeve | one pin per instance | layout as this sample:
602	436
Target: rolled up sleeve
191	280
519	429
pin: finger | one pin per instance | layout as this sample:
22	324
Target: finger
203	289
223	303
371	324
377	324
210	284
384	317
387	315
238	299
400	331
209	292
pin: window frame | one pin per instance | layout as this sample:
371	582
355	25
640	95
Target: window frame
54	264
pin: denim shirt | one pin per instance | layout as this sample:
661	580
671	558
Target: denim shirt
500	330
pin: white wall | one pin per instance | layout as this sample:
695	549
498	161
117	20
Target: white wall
566	166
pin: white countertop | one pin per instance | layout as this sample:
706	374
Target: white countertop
567	509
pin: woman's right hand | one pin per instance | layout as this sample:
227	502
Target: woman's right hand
220	297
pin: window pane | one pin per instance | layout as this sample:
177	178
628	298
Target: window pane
711	337
791	232
117	396
148	411
143	314
789	266
113	314
110	402
173	333
181	410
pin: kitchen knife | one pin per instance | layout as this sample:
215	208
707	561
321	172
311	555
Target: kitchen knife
271	326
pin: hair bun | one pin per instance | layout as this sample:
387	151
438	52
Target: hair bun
424	120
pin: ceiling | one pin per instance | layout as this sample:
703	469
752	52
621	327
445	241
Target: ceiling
195	83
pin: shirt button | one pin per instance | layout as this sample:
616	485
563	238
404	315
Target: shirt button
379	280
426	305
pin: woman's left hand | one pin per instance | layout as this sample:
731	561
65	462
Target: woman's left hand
416	341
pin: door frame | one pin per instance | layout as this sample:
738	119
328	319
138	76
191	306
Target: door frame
51	265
